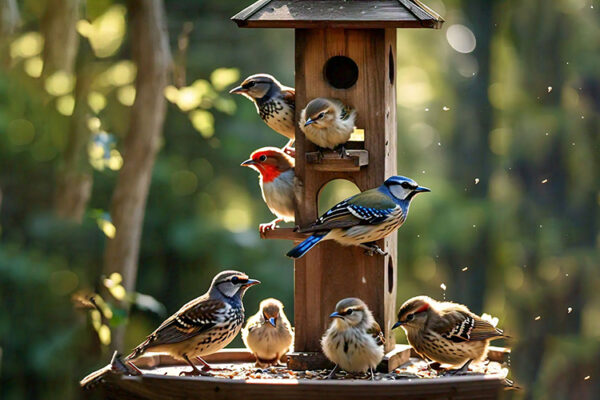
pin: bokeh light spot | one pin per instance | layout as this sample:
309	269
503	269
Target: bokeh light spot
461	38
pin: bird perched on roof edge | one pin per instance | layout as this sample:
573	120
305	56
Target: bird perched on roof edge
328	123
275	103
354	340
446	332
204	325
277	183
268	333
363	219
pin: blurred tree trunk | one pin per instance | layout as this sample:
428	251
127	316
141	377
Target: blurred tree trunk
74	178
60	35
10	20
150	46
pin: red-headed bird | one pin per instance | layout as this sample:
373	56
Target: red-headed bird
277	183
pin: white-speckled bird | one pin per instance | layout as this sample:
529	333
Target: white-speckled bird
275	103
268	333
204	325
277	183
446	332
363	219
354	340
328	123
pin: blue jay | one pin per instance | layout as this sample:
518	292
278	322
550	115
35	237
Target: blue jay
364	218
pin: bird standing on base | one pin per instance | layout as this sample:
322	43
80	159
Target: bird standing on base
328	123
364	218
268	333
275	103
446	332
277	183
354	340
204	325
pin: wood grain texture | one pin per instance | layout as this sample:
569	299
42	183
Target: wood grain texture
332	161
350	14
284	234
331	272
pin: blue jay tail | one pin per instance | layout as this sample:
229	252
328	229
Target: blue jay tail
306	245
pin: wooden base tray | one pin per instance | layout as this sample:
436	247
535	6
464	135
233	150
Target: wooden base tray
161	380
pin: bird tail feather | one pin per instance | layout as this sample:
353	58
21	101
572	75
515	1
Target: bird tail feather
306	245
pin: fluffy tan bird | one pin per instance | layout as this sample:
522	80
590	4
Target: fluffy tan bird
446	332
204	325
354	340
268	333
328	123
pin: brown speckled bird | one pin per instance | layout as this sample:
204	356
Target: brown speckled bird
268	333
328	123
275	103
446	332
204	325
354	340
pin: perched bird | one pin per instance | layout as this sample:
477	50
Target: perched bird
268	333
354	340
328	123
204	325
275	103
446	332
364	218
277	183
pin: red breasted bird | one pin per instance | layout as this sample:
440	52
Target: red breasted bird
275	103
363	219
446	332
354	340
268	333
328	123
204	325
276	180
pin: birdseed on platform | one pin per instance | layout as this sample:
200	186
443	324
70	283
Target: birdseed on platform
414	369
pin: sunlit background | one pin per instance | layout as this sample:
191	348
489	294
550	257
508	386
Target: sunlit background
498	113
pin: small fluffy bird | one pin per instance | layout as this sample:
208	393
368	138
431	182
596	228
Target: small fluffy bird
328	123
363	219
268	333
275	103
446	332
354	340
204	325
277	183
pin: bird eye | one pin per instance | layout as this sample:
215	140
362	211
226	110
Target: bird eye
410	317
405	185
234	280
262	158
349	312
248	85
321	115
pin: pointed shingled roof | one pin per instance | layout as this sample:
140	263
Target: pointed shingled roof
349	14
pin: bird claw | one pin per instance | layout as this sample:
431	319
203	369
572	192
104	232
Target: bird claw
194	372
371	250
262	228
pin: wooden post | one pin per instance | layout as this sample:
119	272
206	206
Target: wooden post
330	272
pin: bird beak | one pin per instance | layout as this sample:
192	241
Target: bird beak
308	122
248	163
251	282
421	189
272	321
335	315
237	90
397	324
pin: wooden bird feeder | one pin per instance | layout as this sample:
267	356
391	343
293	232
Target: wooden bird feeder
344	49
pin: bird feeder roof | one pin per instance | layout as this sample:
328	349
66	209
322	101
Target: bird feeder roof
355	14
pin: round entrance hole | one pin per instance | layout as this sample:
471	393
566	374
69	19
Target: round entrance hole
341	72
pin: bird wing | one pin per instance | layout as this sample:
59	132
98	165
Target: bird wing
460	326
346	112
367	208
377	334
289	96
192	319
